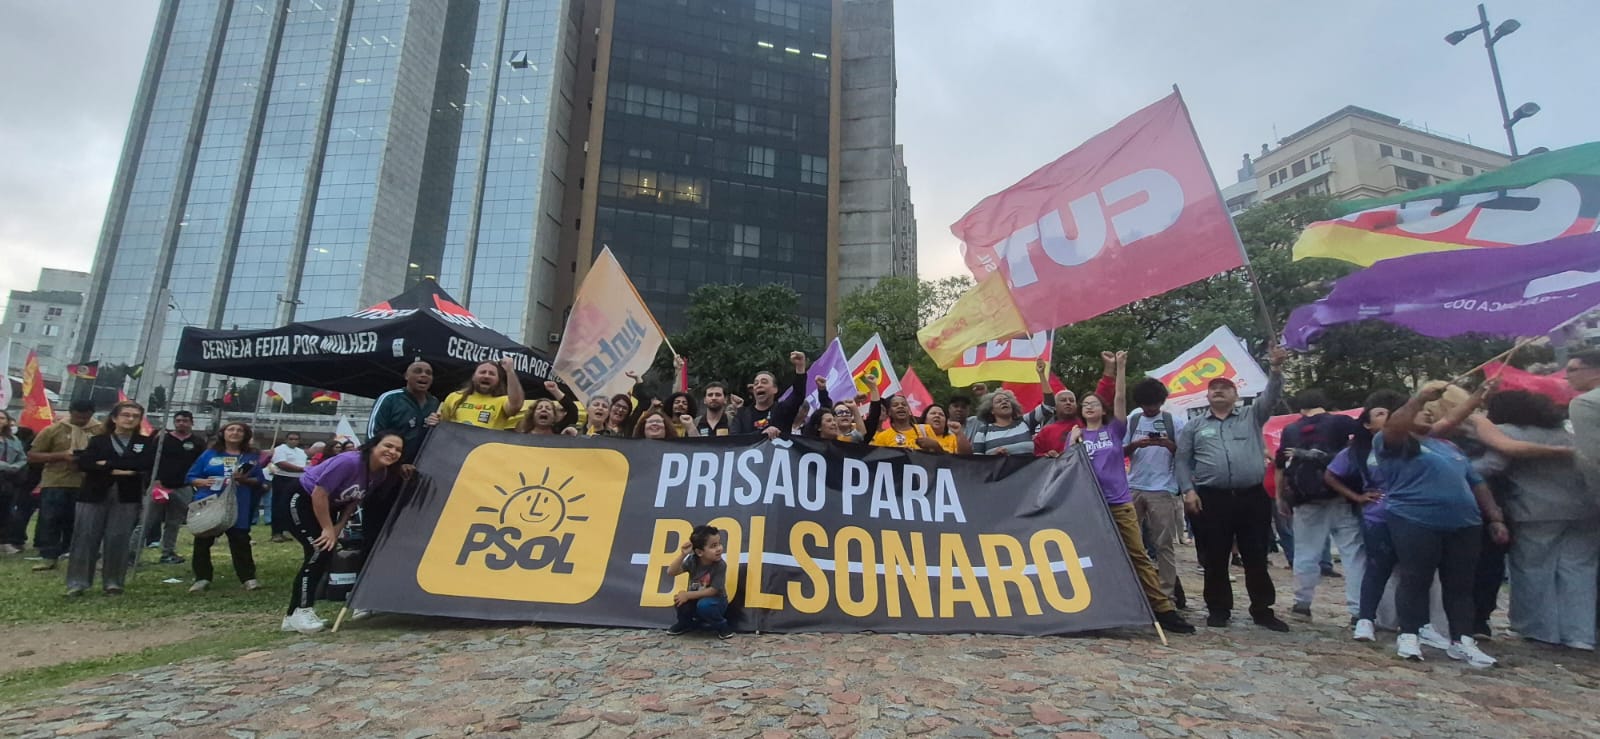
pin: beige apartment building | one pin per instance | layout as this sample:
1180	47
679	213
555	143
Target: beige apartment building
1358	153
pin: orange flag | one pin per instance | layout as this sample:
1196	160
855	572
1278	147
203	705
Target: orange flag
36	413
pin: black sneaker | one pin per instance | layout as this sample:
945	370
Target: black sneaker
679	629
1481	632
171	559
1271	622
1171	621
725	632
1217	620
1330	572
1302	610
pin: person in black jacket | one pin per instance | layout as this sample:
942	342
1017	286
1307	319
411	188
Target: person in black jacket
115	465
765	414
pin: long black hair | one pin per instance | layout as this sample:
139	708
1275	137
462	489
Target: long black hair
1522	408
220	444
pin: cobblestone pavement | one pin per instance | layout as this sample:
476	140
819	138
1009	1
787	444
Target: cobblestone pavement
416	679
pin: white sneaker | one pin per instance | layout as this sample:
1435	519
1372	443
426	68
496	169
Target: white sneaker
1581	645
360	614
1365	631
1432	637
1467	649
1408	647
304	620
199	586
252	584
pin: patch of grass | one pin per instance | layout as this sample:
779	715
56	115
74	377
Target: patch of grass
19	684
224	619
39	597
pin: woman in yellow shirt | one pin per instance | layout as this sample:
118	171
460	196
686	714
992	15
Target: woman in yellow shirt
902	432
945	432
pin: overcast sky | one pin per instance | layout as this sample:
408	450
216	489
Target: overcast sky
989	91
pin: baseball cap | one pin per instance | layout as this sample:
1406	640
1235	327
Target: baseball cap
1222	382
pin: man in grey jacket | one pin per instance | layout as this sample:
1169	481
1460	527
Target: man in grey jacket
1221	463
1583	374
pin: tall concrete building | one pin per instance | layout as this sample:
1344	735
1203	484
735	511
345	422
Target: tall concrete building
45	320
905	220
298	159
1358	153
736	142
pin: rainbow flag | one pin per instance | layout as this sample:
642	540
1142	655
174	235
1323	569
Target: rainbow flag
1537	198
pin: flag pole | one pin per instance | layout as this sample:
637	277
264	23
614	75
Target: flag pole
1249	271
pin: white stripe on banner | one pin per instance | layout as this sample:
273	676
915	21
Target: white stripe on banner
784	560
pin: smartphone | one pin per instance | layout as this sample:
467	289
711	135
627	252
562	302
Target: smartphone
244	468
1155	435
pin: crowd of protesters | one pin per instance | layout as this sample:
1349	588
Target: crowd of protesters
1433	499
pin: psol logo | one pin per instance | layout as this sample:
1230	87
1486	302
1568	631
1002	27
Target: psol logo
531	524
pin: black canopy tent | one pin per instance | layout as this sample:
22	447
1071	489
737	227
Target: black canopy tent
366	353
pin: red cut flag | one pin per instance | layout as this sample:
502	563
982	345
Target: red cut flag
1133	212
915	393
36	412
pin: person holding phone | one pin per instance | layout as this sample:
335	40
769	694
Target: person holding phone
230	458
1150	445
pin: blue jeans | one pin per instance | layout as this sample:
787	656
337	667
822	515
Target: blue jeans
54	533
710	613
1380	564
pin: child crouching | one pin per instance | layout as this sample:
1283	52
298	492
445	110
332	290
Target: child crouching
705	603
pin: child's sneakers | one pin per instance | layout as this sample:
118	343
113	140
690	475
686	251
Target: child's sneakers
726	632
679	629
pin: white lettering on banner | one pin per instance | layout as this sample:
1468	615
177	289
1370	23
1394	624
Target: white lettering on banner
459	319
1162	206
1024	348
897	492
1495	306
297	345
472	351
383	314
613	354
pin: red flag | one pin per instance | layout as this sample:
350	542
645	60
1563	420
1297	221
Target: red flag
36	413
326	396
1272	431
1133	212
915	393
1028	395
1553	386
144	422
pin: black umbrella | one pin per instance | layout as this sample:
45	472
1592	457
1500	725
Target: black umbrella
366	353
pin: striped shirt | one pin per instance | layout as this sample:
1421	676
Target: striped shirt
1014	439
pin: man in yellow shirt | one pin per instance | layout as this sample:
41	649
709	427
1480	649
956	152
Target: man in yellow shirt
492	399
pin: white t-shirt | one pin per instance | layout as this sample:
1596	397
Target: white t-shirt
293	455
1151	468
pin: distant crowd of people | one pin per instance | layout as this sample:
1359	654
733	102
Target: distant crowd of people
1440	496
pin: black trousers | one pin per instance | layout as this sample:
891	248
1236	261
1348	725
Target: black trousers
22	508
1232	517
283	488
244	559
303	526
57	506
1487	578
1420	552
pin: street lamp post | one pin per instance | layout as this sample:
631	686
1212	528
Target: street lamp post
1508	117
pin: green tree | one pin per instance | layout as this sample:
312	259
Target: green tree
735	331
894	309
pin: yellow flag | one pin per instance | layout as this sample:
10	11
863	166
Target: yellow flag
984	313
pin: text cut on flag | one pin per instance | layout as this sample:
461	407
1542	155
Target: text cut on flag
1133	212
609	334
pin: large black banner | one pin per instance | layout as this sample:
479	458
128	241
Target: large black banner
820	536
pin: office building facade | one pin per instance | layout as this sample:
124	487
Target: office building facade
722	147
297	159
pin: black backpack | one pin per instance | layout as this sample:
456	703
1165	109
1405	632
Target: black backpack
1308	448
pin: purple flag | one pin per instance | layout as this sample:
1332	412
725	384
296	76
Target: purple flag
1505	291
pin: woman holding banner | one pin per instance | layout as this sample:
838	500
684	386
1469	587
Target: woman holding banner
319	511
1100	434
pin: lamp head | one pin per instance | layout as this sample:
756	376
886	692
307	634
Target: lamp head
1525	110
1506	28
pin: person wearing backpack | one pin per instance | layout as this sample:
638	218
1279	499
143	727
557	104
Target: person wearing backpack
1319	513
1150	443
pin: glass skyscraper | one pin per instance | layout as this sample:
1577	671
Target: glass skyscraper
299	159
